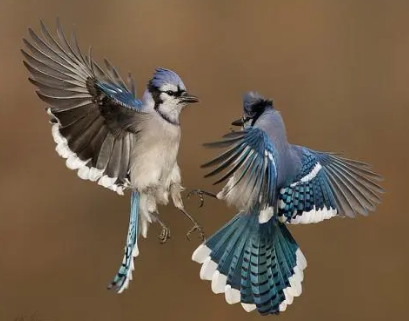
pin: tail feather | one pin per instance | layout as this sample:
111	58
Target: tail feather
124	275
235	270
266	276
226	256
214	239
220	246
246	291
259	265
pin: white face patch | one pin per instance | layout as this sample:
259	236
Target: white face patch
247	123
170	107
172	104
167	87
168	99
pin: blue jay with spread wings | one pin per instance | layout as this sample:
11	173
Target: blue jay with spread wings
108	135
254	259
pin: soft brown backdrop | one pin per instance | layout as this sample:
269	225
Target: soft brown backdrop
338	71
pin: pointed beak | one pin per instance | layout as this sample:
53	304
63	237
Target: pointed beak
188	98
238	122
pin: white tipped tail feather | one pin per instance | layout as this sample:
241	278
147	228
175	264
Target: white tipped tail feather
201	254
219	284
232	295
295	288
129	277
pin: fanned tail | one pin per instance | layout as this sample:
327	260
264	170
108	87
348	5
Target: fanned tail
259	265
124	275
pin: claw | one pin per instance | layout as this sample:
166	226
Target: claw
164	235
195	228
198	192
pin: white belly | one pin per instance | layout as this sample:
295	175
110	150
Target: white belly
153	158
154	155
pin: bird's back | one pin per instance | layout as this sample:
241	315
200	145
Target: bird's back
287	159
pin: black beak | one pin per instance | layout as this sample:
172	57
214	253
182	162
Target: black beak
238	122
188	98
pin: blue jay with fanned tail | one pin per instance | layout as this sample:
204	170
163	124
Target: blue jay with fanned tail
110	136
254	259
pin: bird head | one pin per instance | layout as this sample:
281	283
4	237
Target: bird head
253	106
169	94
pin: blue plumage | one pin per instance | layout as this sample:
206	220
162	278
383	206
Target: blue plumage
124	274
303	196
165	76
120	95
251	158
108	135
254	259
252	263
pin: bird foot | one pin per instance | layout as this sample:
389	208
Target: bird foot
197	228
201	193
164	235
198	192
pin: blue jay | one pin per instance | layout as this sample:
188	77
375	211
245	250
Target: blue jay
253	259
110	136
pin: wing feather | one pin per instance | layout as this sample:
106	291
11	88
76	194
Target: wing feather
92	110
329	185
249	166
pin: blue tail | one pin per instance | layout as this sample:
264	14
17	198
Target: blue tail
124	275
257	264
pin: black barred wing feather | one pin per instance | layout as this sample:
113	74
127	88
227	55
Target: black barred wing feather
328	185
92	111
249	165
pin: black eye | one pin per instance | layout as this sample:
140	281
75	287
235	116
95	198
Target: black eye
170	93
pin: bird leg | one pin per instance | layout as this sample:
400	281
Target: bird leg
175	190
165	232
196	226
201	193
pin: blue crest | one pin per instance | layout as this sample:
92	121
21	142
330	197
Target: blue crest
253	102
164	76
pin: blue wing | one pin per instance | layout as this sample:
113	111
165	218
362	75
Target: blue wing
93	111
250	167
112	85
328	185
121	95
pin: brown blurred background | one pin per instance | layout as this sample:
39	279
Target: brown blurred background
339	73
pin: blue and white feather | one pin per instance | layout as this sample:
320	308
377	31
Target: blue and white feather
254	259
107	134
